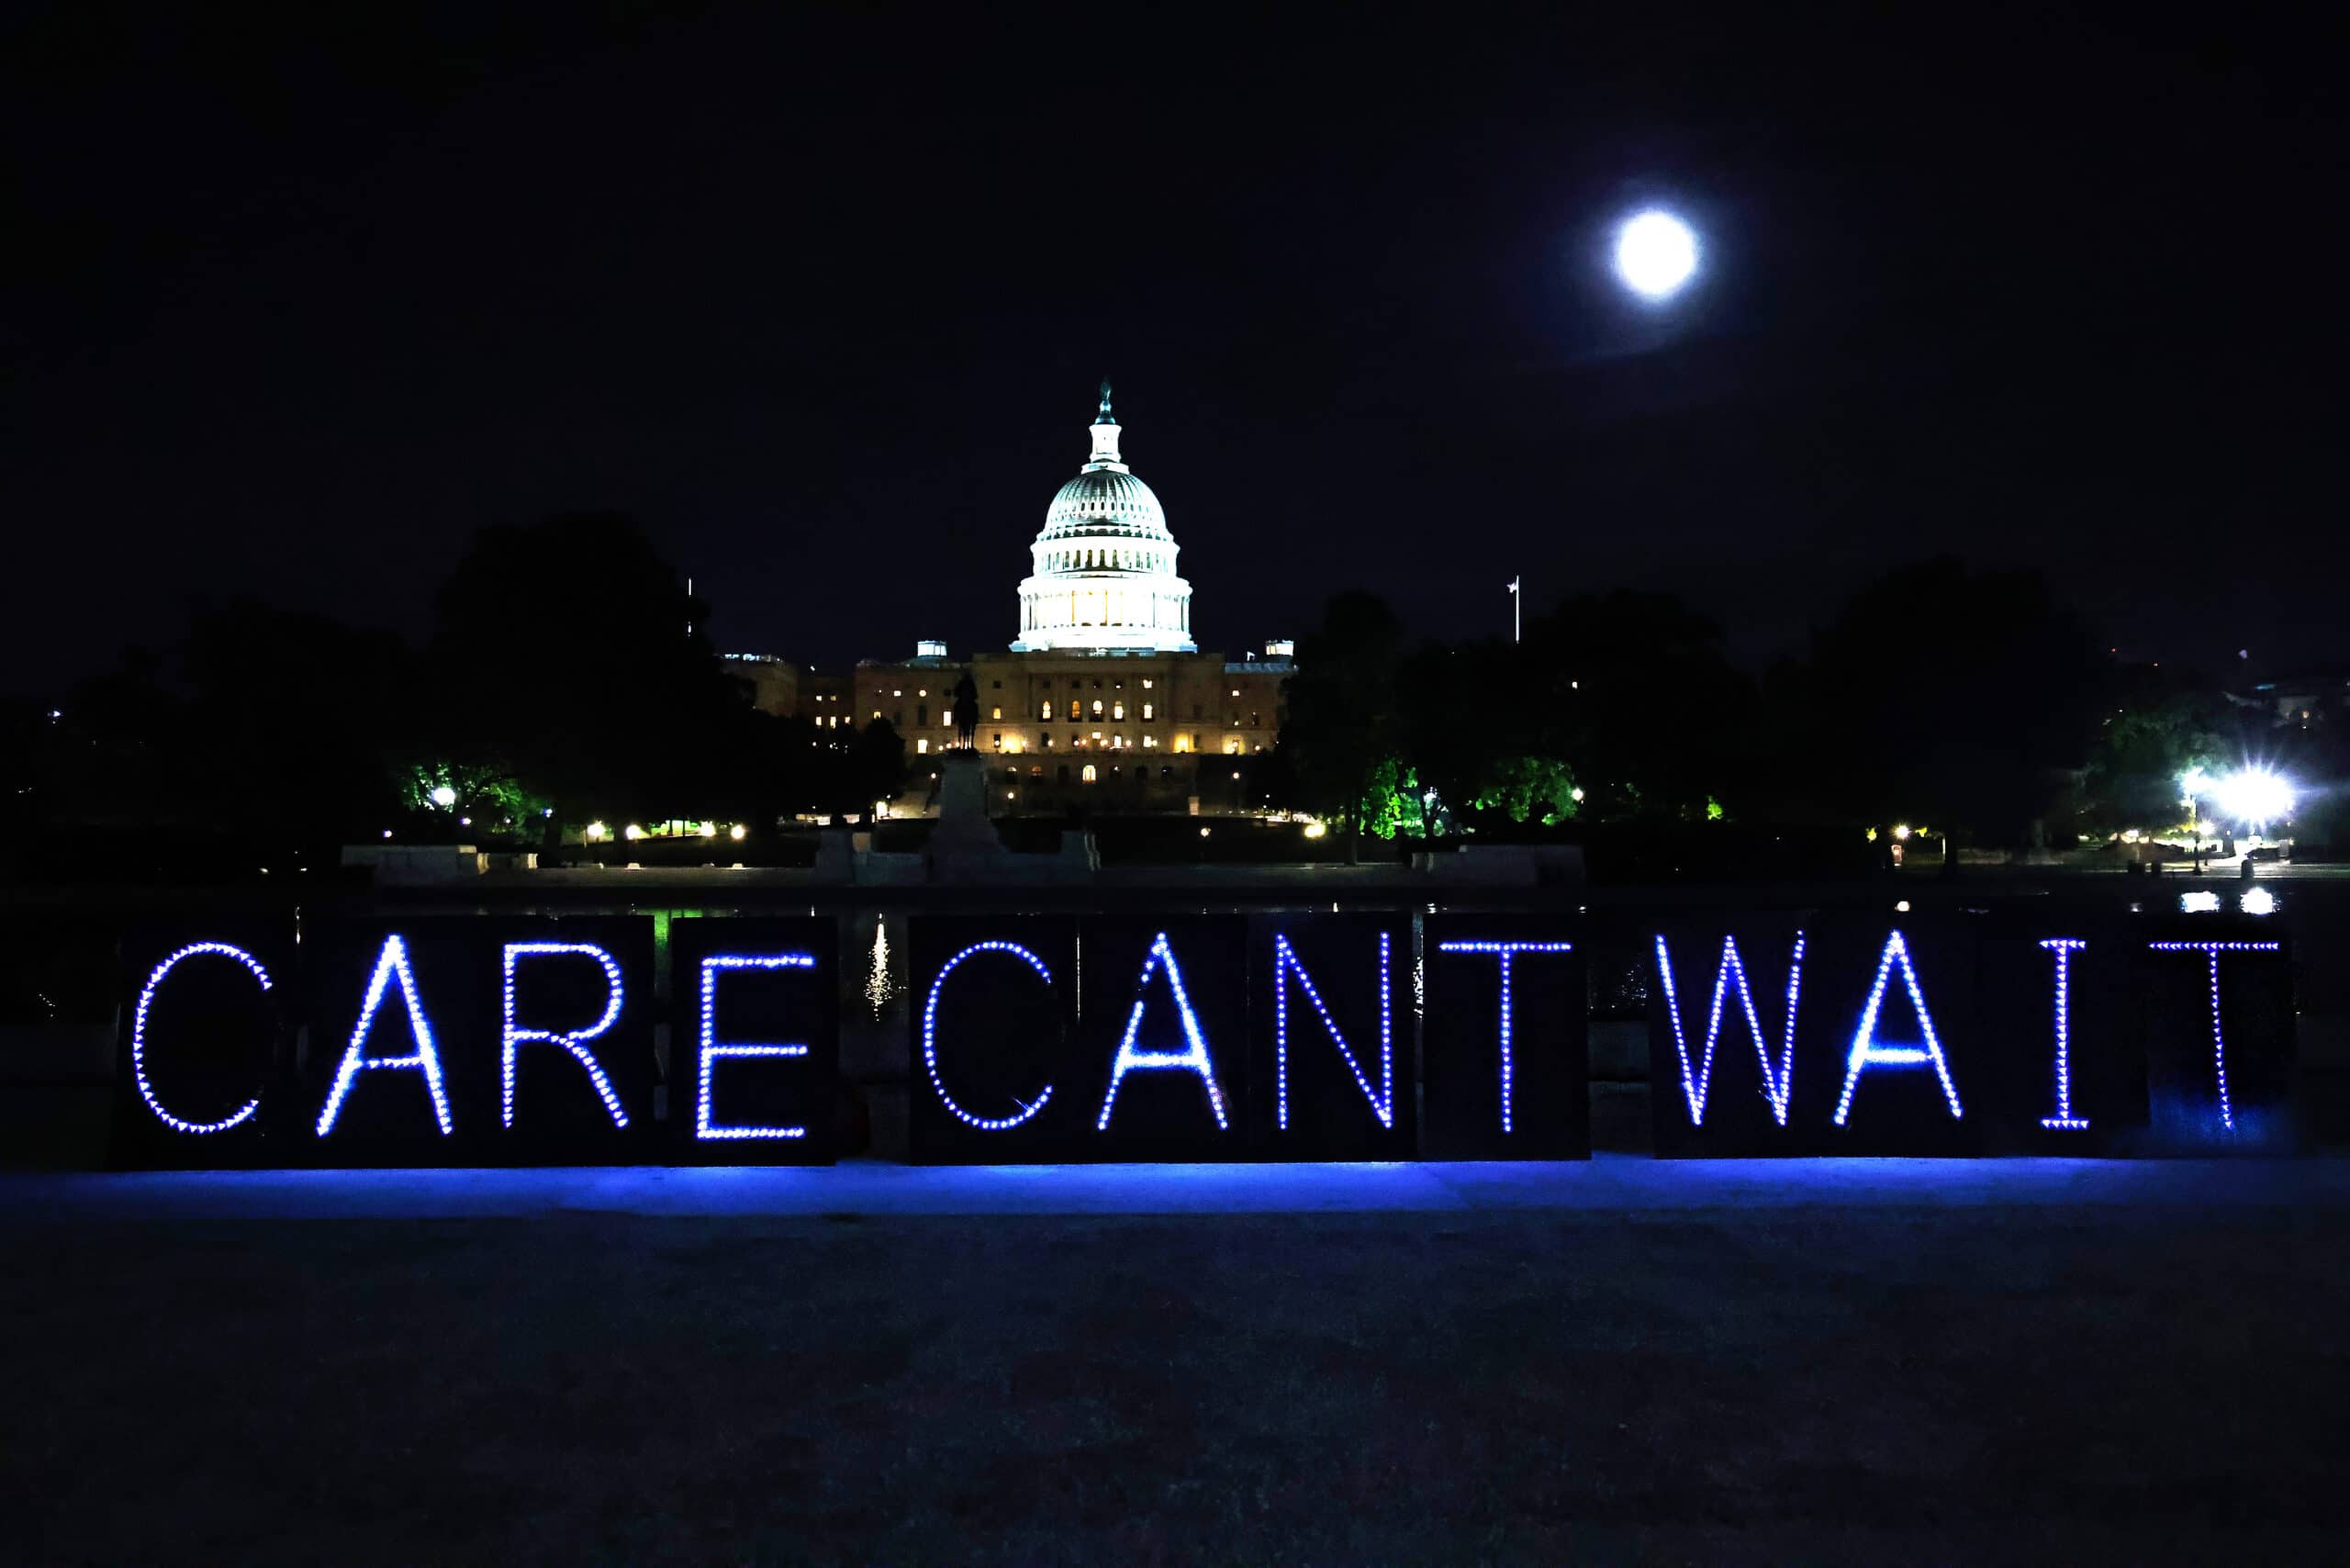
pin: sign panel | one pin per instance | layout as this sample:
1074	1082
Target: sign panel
994	1015
204	1050
479	1041
1333	1074
485	1039
753	1040
1504	1041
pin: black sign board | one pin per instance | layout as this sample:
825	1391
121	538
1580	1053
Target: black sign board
1503	1055
1332	1072
481	1040
753	1040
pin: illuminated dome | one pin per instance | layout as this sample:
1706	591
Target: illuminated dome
1102	572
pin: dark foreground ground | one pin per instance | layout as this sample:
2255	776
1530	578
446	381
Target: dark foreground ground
1888	1375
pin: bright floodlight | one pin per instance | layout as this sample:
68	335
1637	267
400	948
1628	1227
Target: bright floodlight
444	796
2254	795
1655	253
2194	784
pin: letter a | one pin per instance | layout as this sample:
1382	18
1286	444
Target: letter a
1867	1053
1192	1057
391	963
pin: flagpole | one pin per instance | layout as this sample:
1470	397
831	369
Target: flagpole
1516	611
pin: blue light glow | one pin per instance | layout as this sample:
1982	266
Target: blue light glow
2212	950
930	1037
574	1041
712	967
1503	950
139	1038
392	961
1777	1076
1867	1053
1382	1099
1192	1057
2064	1120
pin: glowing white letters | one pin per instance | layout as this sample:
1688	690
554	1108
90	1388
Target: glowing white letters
574	1041
2064	1120
392	961
1382	1099
712	967
1503	951
930	1037
1867	1053
139	1038
1777	1076
2212	950
1192	1057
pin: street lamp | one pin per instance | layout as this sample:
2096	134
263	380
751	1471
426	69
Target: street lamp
2254	796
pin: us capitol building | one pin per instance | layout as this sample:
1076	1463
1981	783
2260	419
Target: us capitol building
1103	699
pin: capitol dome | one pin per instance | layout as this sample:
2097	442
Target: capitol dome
1101	575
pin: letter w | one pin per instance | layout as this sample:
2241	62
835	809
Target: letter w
1696	1078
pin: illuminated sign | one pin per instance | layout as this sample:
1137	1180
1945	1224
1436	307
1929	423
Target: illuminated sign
1990	1034
754	1062
1271	1036
474	1040
1503	1053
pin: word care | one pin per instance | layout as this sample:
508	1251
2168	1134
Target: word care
475	1040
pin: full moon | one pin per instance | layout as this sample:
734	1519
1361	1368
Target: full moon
1655	254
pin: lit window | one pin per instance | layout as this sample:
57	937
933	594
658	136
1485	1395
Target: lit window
876	712
995	712
1074	704
1146	711
1146	686
1097	706
1148	742
1232	747
897	694
999	740
1117	710
1089	773
921	746
1044	713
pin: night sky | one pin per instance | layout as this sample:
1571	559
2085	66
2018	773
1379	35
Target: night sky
296	299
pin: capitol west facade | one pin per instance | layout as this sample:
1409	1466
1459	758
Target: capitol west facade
1103	699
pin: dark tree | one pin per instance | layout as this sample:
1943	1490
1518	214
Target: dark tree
1966	699
297	724
1341	722
567	654
1633	690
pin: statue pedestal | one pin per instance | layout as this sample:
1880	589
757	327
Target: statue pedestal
963	843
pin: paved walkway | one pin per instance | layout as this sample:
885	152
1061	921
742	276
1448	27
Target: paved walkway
872	1188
